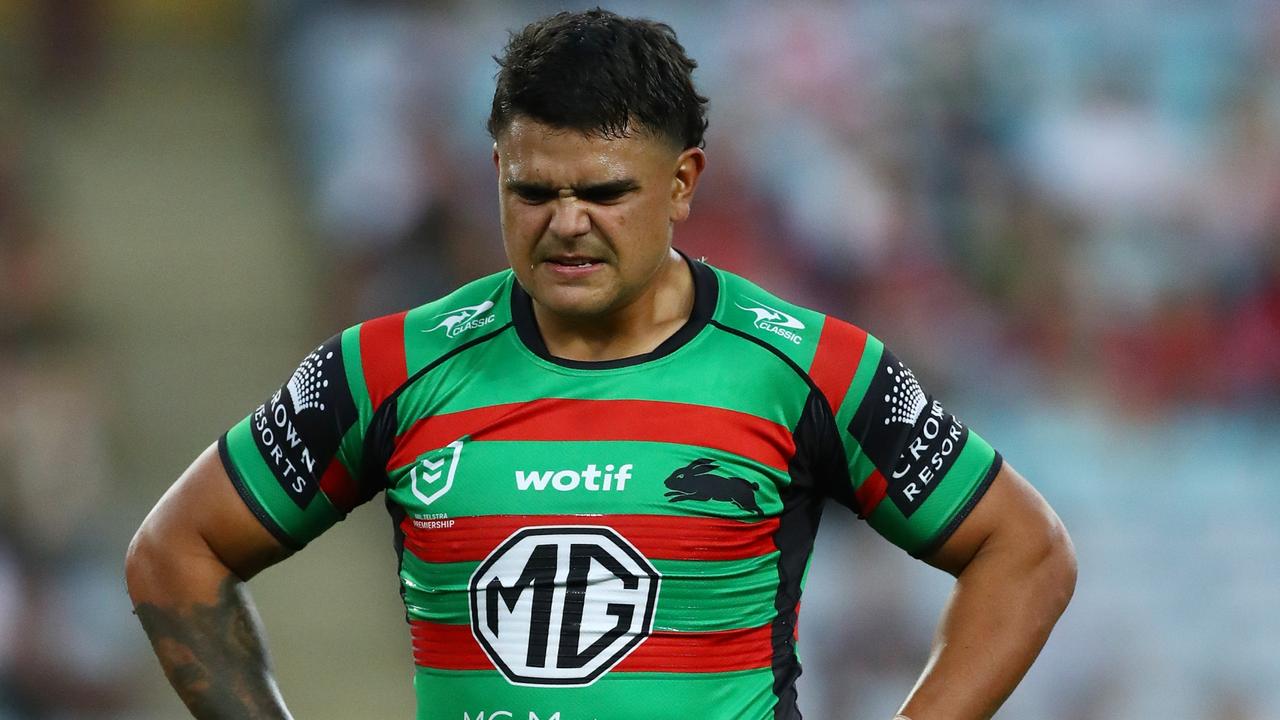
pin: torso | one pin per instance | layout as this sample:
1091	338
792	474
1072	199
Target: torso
606	540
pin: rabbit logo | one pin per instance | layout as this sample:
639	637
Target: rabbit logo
695	481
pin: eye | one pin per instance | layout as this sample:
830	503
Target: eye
603	197
533	195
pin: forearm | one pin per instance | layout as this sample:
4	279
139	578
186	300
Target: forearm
207	636
1004	605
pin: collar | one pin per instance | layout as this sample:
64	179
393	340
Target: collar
705	292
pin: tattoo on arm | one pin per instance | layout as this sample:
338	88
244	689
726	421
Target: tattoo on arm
214	657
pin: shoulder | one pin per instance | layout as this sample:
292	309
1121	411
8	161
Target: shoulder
808	339
473	310
392	348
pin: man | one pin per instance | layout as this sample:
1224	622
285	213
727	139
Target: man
606	465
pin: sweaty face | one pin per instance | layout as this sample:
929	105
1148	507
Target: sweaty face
587	221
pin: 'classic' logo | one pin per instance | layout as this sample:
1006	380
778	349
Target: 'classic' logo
774	321
562	605
456	322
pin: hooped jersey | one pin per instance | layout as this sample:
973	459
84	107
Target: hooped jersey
618	540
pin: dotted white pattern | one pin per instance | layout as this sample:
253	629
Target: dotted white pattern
906	401
307	381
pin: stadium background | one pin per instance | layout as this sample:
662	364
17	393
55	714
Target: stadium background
1066	216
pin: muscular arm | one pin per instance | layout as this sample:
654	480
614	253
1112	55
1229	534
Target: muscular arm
185	570
1015	572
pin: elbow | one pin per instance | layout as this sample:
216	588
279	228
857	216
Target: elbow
139	562
151	561
1057	566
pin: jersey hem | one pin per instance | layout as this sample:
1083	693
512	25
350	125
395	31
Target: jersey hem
251	500
964	511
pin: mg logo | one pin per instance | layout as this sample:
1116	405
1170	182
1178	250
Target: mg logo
562	605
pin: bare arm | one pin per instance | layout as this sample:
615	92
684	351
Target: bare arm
1015	572
185	570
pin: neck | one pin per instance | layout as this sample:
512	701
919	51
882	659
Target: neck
637	328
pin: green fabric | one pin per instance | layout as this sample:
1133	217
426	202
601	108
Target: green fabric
463	695
741	380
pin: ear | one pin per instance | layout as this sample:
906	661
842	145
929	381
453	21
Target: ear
495	156
688	168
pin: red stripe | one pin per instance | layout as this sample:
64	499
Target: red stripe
448	647
870	493
453	647
836	360
724	651
382	356
471	539
337	485
561	419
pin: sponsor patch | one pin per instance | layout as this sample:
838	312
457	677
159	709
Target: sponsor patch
299	428
909	437
562	605
590	478
513	715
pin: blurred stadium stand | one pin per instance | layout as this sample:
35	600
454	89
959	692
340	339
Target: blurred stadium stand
1066	216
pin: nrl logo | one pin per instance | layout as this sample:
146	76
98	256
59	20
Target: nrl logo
426	472
456	322
774	321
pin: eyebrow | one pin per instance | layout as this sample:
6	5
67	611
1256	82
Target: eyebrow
603	189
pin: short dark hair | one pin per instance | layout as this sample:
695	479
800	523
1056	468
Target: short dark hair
599	73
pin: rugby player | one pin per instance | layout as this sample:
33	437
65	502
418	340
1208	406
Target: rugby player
605	466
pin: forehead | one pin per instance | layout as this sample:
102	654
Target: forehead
533	152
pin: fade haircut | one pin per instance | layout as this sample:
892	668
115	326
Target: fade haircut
600	74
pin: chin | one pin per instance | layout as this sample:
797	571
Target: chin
578	310
579	303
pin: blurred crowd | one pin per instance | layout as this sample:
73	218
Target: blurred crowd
1045	204
1078	197
64	652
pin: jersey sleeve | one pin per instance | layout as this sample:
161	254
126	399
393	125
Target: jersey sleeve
916	469
296	459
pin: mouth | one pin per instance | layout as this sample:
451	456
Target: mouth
572	261
572	266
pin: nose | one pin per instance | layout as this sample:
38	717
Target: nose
569	218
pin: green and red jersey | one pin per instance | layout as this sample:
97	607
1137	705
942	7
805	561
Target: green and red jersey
606	540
